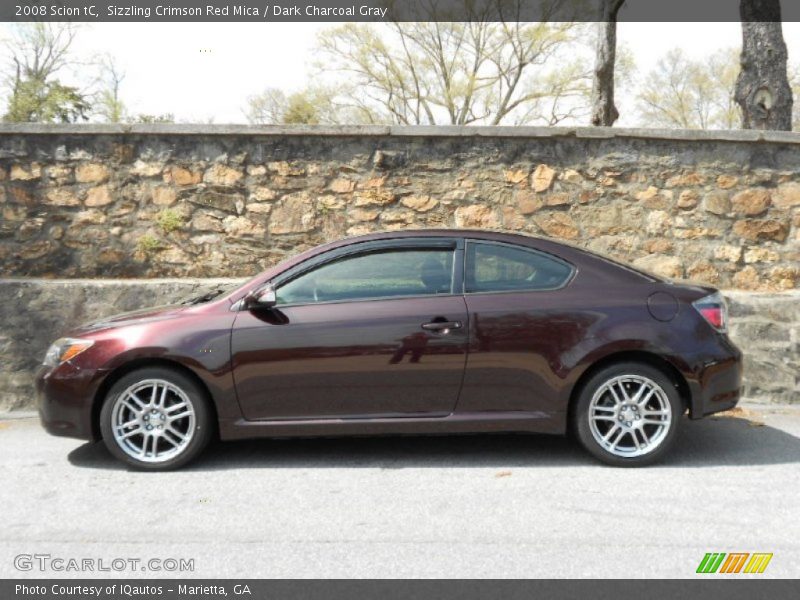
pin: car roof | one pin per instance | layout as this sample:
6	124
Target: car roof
483	234
523	239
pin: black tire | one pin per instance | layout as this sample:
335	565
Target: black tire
586	431
202	429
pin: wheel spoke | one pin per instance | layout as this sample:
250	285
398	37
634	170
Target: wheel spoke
611	432
618	439
174	437
186	413
614	394
130	407
145	443
654	413
175	407
153	396
638	395
622	389
127	434
644	436
163	397
643	402
138	401
130	423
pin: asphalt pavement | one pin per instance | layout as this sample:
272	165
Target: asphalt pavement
462	507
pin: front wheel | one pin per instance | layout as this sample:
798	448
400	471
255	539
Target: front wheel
627	414
156	419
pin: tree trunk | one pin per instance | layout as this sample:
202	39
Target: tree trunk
762	89
604	113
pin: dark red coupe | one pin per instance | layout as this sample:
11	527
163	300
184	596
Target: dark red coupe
422	332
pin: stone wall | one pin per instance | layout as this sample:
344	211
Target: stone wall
160	201
34	312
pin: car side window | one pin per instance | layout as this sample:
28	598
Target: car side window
379	274
502	268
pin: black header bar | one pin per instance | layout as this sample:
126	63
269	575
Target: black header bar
268	11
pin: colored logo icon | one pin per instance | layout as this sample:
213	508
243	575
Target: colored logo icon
734	562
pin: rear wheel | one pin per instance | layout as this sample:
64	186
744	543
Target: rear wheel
156	419
627	414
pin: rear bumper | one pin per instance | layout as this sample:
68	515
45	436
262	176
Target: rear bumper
65	396
717	383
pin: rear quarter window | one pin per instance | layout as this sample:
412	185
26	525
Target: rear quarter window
494	267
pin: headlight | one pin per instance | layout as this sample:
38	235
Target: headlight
65	349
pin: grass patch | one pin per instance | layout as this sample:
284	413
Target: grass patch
169	220
148	244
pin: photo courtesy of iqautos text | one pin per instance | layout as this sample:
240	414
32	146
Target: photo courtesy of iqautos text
457	299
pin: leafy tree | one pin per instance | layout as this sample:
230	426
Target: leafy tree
109	105
267	107
311	106
417	73
680	92
38	53
301	109
45	102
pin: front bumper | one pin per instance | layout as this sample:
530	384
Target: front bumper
717	383
65	398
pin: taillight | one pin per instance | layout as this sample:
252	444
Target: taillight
714	310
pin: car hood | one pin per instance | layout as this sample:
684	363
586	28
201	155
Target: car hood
136	317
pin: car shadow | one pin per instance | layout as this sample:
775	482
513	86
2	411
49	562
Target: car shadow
716	441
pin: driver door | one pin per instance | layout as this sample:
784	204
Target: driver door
375	332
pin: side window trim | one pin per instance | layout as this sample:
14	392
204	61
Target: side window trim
476	241
454	245
361	248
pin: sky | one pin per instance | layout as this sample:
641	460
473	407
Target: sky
204	72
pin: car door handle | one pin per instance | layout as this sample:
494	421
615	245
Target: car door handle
441	326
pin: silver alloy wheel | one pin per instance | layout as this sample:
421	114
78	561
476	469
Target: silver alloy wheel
153	420
630	415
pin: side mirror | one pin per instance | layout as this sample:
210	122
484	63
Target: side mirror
263	297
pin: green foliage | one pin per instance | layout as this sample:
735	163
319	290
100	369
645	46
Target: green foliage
312	106
40	101
145	118
438	72
169	220
691	94
148	244
109	105
300	109
111	109
38	53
